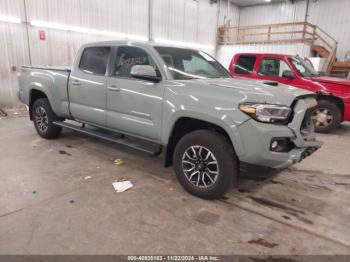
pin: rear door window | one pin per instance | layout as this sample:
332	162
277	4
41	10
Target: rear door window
245	65
94	60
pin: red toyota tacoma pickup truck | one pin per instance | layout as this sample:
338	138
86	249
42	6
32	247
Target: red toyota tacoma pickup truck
333	93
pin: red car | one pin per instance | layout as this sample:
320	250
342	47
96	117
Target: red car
333	93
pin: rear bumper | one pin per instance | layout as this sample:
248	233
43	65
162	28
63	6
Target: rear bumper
20	96
256	139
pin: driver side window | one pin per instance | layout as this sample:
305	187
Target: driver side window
273	67
127	57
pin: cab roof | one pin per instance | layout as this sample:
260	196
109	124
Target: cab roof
264	54
136	43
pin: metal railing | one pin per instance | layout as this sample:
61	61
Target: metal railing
296	32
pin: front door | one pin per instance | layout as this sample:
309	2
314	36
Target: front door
272	69
87	86
134	106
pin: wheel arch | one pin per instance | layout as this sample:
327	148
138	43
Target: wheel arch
185	125
34	95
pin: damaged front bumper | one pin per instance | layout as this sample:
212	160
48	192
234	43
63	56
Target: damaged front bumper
256	139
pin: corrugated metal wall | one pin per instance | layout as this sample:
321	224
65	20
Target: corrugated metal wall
192	21
228	13
332	16
13	51
130	17
274	13
185	20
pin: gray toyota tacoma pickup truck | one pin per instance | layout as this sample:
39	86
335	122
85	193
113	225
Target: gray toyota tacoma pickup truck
174	100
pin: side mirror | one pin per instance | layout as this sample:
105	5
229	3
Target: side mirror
145	72
288	74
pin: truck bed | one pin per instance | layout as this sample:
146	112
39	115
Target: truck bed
51	81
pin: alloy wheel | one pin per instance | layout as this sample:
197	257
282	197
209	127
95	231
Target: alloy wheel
41	119
200	166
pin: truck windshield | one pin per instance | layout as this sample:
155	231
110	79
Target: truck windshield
303	68
186	64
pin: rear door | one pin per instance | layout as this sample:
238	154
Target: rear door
134	106
87	85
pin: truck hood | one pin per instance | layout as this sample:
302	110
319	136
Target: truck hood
331	80
245	90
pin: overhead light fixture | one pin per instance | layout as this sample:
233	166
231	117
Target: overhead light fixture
10	19
267	1
86	30
183	44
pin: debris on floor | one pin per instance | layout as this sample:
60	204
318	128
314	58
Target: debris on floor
119	162
20	111
87	177
286	217
62	152
262	242
72	201
242	190
123	178
207	218
276	182
122	186
2	113
34	192
347	185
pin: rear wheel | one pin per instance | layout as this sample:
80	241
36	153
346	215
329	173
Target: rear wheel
43	118
206	164
326	116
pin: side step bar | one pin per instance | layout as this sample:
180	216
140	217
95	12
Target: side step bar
153	150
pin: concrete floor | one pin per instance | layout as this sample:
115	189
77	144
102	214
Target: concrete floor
47	207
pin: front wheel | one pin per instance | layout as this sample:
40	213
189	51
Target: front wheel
326	116
205	164
43	118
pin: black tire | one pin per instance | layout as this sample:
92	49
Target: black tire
41	111
224	154
332	110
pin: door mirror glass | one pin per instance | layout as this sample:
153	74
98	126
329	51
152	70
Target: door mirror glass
288	74
145	72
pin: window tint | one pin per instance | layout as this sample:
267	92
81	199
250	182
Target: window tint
245	65
129	56
273	67
94	60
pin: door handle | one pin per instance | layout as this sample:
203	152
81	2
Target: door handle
113	88
76	83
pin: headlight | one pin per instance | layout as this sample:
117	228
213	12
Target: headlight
266	113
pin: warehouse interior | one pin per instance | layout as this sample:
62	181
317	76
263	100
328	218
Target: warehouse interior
57	196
